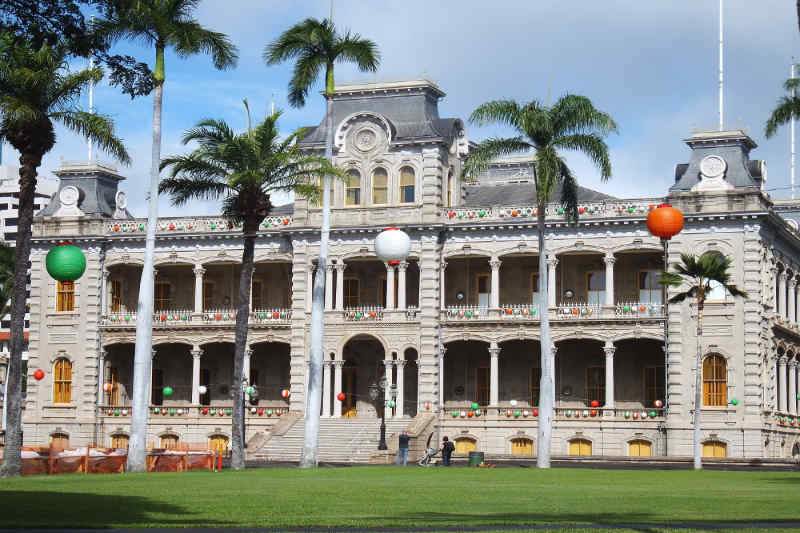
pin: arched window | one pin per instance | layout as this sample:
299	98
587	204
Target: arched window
62	381
521	446
218	443
715	380
65	296
353	188
407	185
640	448
464	445
714	448
580	447
119	441
59	440
169	442
380	186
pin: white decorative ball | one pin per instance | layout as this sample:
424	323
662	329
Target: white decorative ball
463	414
202	389
124	412
253	410
180	411
513	403
526	413
392	244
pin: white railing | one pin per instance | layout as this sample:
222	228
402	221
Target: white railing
633	309
266	316
363	313
120	319
466	312
175	316
578	310
219	316
191	225
521	311
592	210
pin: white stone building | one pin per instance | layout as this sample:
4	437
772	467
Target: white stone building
453	325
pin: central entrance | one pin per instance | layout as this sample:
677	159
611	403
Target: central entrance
363	365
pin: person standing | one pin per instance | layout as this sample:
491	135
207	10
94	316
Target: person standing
402	449
447	450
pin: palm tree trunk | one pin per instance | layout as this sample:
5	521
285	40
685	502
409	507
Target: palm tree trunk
546	385
242	319
309	456
143	353
12	456
698	392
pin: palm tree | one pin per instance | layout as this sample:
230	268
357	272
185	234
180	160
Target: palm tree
316	44
6	276
37	90
699	274
571	123
788	107
243	169
161	24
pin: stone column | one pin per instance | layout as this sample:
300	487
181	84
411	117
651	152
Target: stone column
337	387
791	396
609	349
783	404
328	287
792	304
246	365
782	293
340	266
401	382
198	288
326	389
389	286
494	374
610	260
401	284
552	263
309	286
197	353
101	376
442	268
387	394
104	294
494	296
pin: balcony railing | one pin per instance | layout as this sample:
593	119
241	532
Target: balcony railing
186	317
466	312
639	309
266	410
356	314
191	225
564	311
561	413
578	311
591	210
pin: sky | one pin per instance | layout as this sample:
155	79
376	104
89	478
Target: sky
651	64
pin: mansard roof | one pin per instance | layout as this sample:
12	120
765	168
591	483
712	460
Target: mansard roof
410	107
734	146
522	193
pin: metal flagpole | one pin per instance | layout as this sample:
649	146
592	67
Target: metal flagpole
91	93
791	129
721	77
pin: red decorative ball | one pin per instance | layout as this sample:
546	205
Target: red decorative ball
535	412
665	221
260	411
218	316
107	387
341	396
39	374
595	403
276	314
205	410
594	412
285	393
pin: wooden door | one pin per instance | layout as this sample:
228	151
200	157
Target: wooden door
169	442
113	379
119	442
482	385
59	440
715	449
218	444
521	447
580	447
640	448
465	445
349	385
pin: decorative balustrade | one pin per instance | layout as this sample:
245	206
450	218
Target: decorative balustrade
219	316
520	311
166	318
465	312
640	414
269	316
639	309
191	225
592	210
187	410
578	311
356	314
561	413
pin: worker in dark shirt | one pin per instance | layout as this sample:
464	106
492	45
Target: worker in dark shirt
402	449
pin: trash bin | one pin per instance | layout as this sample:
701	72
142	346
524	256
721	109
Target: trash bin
475	458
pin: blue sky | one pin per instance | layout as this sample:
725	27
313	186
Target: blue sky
652	65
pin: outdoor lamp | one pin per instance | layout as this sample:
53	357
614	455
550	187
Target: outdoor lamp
373	392
568	294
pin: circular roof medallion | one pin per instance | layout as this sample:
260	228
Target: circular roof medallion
366	140
122	200
713	166
68	196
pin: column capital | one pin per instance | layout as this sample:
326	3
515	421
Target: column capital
338	362
197	353
388	362
199	270
494	351
783	276
782	360
329	267
495	263
442	350
248	352
103	353
154	353
443	265
609	258
553	349
791	283
389	266
402	266
552	260
340	265
400	363
792	363
609	349
106	273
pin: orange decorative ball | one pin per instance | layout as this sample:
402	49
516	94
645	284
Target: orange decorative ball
665	221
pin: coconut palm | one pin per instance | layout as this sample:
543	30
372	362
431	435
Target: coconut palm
6	276
244	170
315	44
37	90
161	24
699	274
571	123
788	107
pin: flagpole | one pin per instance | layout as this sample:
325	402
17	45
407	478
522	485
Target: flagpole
91	94
791	130
721	75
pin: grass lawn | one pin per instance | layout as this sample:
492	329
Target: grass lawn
402	497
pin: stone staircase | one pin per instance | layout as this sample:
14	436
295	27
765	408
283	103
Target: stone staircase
341	440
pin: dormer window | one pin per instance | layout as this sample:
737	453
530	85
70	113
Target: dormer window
353	188
407	185
380	186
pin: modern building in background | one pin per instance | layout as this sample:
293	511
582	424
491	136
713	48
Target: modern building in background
453	326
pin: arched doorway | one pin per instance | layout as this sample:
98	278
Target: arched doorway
363	366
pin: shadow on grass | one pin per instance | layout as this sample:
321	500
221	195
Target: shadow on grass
27	509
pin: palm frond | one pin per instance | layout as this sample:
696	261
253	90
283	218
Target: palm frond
97	127
184	189
788	107
593	146
306	71
481	156
353	49
506	112
574	113
189	38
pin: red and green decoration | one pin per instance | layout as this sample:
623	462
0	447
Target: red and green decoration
66	262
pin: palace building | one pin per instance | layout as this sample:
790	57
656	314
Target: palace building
454	325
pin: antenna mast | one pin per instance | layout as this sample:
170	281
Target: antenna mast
721	76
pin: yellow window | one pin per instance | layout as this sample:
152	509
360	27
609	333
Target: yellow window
380	186
715	449
119	442
465	445
353	188
715	381
521	447
580	447
169	442
640	448
65	296
407	186
320	184
218	443
116	295
59	440
62	381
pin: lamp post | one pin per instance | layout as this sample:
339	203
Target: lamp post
376	394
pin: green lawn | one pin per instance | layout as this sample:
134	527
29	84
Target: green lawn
393	496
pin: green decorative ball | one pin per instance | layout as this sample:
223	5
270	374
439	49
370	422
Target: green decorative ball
261	315
116	412
65	262
477	412
454	413
481	213
627	414
533	311
391	404
183	317
213	226
227	411
168	391
626	308
141	227
560	210
516	414
127	319
630	210
251	391
266	224
213	411
269	412
469	313
475	405
652	414
735	401
172	411
569	412
156	410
